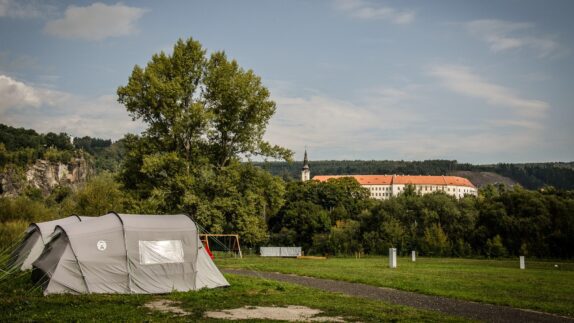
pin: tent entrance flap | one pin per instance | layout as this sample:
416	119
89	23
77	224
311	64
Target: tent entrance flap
38	235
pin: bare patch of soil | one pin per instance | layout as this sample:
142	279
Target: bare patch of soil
290	313
166	306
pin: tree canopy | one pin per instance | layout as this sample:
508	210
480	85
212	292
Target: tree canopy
203	116
206	110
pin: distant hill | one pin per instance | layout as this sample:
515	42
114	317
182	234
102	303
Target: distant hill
22	147
529	175
480	179
45	161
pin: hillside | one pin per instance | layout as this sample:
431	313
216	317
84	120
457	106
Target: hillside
45	161
480	179
23	147
529	175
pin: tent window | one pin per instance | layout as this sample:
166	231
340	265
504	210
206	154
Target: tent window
160	252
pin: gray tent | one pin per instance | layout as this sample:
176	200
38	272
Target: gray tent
36	237
120	253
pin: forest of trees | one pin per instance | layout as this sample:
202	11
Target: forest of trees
328	218
204	114
337	217
20	147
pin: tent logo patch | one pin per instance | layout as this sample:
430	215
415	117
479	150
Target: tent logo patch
101	245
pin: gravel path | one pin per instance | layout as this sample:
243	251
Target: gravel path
479	311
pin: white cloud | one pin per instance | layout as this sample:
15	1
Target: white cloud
330	124
504	36
528	124
462	80
341	129
450	145
401	123
387	96
14	94
101	116
364	10
96	22
24	9
44	110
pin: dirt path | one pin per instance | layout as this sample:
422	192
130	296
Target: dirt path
479	311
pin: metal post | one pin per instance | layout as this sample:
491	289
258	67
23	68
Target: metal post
414	256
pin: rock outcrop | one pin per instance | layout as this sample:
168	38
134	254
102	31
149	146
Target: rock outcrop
45	176
11	182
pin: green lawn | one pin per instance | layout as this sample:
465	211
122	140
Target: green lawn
542	286
21	301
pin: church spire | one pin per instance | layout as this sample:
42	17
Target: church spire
305	172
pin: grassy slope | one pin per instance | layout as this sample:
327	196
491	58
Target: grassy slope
19	301
540	287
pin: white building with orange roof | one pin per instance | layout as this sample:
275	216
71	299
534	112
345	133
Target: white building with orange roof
384	186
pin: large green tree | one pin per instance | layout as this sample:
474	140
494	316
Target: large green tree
203	116
206	110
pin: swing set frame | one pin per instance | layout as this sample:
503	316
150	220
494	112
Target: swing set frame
235	247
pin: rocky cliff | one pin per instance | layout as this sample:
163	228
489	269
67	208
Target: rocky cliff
45	176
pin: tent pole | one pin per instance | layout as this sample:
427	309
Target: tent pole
77	260
125	246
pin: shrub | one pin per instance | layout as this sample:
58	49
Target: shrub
98	196
24	209
10	233
344	237
495	248
435	242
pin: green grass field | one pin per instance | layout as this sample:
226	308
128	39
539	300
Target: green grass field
22	301
542	286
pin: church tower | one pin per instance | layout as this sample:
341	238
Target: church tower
305	172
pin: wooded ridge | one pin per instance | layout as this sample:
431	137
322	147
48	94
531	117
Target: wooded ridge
529	175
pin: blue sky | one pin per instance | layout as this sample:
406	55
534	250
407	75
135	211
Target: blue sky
478	82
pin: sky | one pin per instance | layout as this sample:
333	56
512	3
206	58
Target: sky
476	81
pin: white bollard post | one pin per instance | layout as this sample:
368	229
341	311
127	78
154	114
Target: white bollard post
522	263
414	256
392	257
